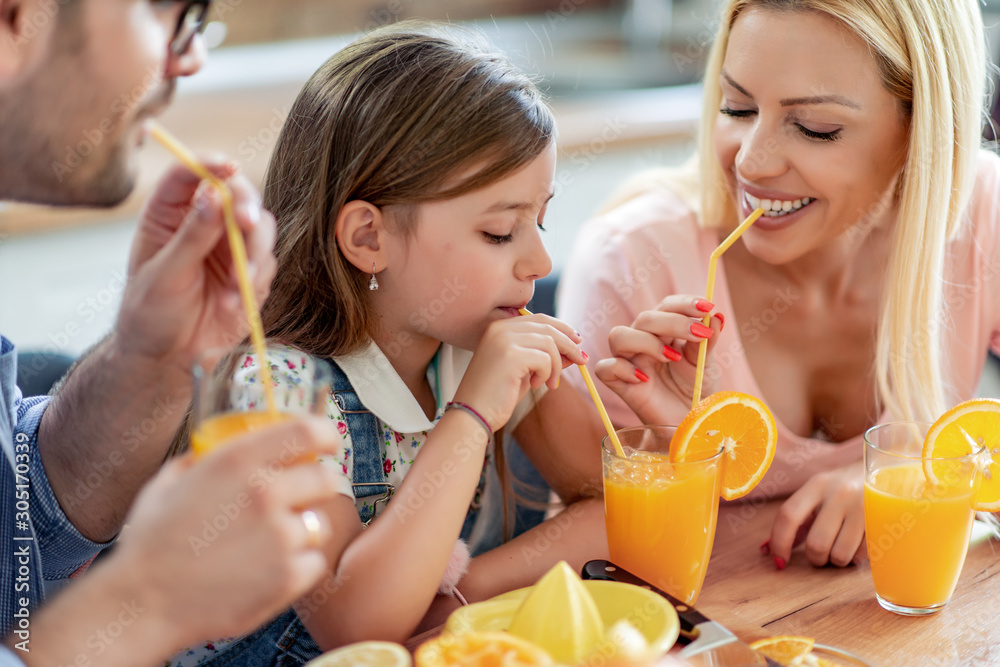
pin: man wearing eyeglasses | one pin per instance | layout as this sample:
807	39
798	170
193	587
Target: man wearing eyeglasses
78	79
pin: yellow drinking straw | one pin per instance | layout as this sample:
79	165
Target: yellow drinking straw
597	401
709	292
236	247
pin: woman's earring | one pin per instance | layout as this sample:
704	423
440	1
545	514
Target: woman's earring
373	283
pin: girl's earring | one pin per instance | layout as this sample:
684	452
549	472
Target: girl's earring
373	283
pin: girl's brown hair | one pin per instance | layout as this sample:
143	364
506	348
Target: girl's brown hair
407	114
389	120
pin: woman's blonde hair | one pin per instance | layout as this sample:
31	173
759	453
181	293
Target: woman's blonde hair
931	57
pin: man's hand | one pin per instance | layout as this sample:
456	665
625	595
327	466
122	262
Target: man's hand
126	399
183	296
215	547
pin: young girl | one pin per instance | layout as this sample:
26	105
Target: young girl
410	183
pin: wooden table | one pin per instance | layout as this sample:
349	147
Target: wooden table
836	606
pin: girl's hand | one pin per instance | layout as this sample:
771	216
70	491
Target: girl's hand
654	362
513	355
828	514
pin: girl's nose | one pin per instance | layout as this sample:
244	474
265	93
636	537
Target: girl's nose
535	263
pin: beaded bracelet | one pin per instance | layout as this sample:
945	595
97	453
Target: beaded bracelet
472	411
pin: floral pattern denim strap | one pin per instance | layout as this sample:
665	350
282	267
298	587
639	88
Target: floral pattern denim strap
368	478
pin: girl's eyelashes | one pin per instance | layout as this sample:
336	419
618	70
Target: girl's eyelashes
541	227
498	238
833	135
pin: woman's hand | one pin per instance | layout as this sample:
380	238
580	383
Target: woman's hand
653	368
513	355
828	514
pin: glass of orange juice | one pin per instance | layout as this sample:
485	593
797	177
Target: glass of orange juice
660	516
918	518
230	398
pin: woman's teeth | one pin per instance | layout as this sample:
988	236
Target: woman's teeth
774	208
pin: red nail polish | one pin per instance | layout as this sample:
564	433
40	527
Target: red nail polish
765	548
699	329
779	563
722	321
704	305
584	355
671	354
642	376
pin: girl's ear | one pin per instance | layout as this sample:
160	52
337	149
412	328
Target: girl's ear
360	232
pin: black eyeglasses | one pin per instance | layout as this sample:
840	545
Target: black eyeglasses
193	18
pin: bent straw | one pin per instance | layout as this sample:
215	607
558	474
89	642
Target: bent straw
597	401
236	246
709	292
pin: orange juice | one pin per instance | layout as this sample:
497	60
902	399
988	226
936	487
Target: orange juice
917	534
660	519
219	429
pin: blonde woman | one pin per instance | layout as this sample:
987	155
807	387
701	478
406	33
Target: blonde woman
869	291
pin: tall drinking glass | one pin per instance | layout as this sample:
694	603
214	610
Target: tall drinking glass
660	516
229	398
918	518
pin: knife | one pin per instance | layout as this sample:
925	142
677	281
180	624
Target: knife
708	642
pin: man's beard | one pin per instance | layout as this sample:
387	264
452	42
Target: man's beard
57	175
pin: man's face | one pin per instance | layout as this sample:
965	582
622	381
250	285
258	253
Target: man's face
73	119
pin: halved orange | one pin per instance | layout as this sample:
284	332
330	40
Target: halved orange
957	432
738	424
787	650
482	649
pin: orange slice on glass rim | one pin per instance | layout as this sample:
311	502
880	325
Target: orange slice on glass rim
739	425
958	432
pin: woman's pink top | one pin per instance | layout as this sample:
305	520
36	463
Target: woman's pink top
628	259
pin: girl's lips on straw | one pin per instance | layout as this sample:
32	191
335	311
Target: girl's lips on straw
512	311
